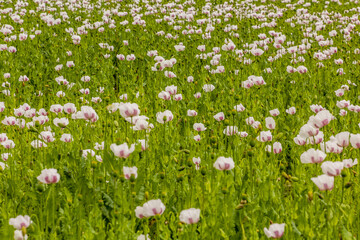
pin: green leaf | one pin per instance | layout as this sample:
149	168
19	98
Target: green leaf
295	228
346	235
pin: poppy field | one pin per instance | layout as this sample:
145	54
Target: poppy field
179	119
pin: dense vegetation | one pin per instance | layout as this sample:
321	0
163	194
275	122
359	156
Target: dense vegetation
179	119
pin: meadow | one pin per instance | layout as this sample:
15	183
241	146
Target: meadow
156	119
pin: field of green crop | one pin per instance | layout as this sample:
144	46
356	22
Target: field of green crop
157	119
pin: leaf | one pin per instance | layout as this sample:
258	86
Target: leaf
346	235
108	200
223	234
141	194
105	212
295	228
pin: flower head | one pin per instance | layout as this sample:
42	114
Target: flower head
312	156
49	176
130	171
332	168
190	216
20	221
324	182
223	163
199	127
164	117
275	230
153	207
123	150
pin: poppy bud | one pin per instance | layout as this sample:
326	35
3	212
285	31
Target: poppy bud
279	136
310	195
94	164
117	214
224	190
180	178
162	175
349	184
294	179
40	187
23	230
61	125
285	175
187	151
115	173
116	123
240	206
146	195
32	129
189	163
132	178
203	172
343	173
320	196
37	124
288	183
282	167
182	168
244	196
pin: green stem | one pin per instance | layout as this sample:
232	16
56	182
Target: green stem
342	189
157	227
53	208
